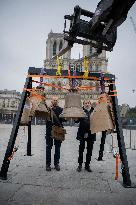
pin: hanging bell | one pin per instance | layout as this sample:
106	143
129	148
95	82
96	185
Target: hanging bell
39	108
101	118
73	107
26	115
41	111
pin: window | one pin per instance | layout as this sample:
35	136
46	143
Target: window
96	67
78	67
60	45
72	67
54	48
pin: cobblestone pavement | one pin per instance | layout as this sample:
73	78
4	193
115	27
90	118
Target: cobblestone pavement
29	183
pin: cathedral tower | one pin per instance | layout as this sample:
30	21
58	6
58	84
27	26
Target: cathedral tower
54	44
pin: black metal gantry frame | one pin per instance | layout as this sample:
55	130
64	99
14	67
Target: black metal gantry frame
103	138
11	143
52	72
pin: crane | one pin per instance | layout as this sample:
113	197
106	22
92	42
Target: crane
100	28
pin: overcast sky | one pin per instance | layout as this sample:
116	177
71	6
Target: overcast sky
24	28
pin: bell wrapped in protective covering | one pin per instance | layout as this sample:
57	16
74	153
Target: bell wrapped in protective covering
73	107
39	108
26	115
102	117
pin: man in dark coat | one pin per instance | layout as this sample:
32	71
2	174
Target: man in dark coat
84	134
49	141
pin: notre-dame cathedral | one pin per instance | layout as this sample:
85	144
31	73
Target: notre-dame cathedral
54	44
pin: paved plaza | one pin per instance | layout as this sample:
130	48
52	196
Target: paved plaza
29	183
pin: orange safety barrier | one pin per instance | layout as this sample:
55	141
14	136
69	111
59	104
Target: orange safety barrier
49	84
70	77
117	167
34	93
13	152
86	88
113	95
113	90
105	78
112	83
63	88
55	76
37	95
31	89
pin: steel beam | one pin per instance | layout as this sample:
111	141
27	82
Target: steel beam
11	143
102	145
120	138
52	72
29	127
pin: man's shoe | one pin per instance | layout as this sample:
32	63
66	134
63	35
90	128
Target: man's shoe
57	167
79	168
87	168
48	168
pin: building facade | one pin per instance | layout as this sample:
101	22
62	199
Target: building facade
54	44
9	102
123	110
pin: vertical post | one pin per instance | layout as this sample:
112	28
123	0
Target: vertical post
102	145
6	161
134	148
117	167
112	142
29	126
29	140
130	139
120	137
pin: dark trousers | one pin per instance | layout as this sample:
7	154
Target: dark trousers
90	142
49	144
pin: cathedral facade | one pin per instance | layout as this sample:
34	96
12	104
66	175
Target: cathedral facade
54	44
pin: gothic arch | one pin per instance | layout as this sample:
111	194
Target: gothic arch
54	48
60	45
